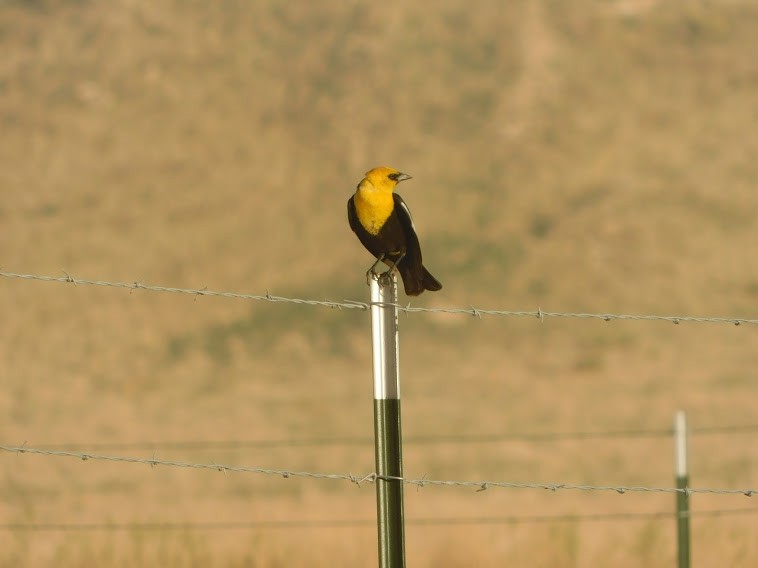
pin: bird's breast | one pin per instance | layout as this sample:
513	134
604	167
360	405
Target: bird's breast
373	209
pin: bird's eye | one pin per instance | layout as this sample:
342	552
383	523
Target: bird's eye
393	177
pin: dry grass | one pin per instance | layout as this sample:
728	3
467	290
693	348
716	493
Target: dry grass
575	156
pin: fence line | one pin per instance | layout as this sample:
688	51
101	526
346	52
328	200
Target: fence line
364	306
420	440
351	523
373	477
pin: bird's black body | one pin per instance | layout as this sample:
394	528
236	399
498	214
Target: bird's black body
396	244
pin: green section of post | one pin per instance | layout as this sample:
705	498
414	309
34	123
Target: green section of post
387	430
389	492
682	497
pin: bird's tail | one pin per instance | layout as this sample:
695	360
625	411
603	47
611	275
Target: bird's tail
415	283
430	282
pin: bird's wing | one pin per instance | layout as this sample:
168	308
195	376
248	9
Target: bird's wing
413	249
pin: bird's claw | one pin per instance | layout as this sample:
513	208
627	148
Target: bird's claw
384	278
370	275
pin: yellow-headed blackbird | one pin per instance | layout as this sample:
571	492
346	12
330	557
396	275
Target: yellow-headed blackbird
383	223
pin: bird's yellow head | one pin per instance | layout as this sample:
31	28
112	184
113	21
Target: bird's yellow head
382	179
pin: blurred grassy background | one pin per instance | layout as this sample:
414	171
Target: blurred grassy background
592	155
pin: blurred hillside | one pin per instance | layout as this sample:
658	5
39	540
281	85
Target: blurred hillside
554	150
583	156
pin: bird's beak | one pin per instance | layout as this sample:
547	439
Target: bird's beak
402	177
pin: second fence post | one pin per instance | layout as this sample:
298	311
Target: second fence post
682	483
387	430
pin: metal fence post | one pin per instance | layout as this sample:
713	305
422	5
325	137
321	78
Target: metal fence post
682	482
387	431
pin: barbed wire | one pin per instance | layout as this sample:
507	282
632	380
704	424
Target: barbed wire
408	440
374	477
351	523
359	305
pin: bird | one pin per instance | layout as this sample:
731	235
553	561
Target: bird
381	220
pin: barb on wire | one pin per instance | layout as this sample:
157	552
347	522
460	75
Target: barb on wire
539	313
350	523
373	477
